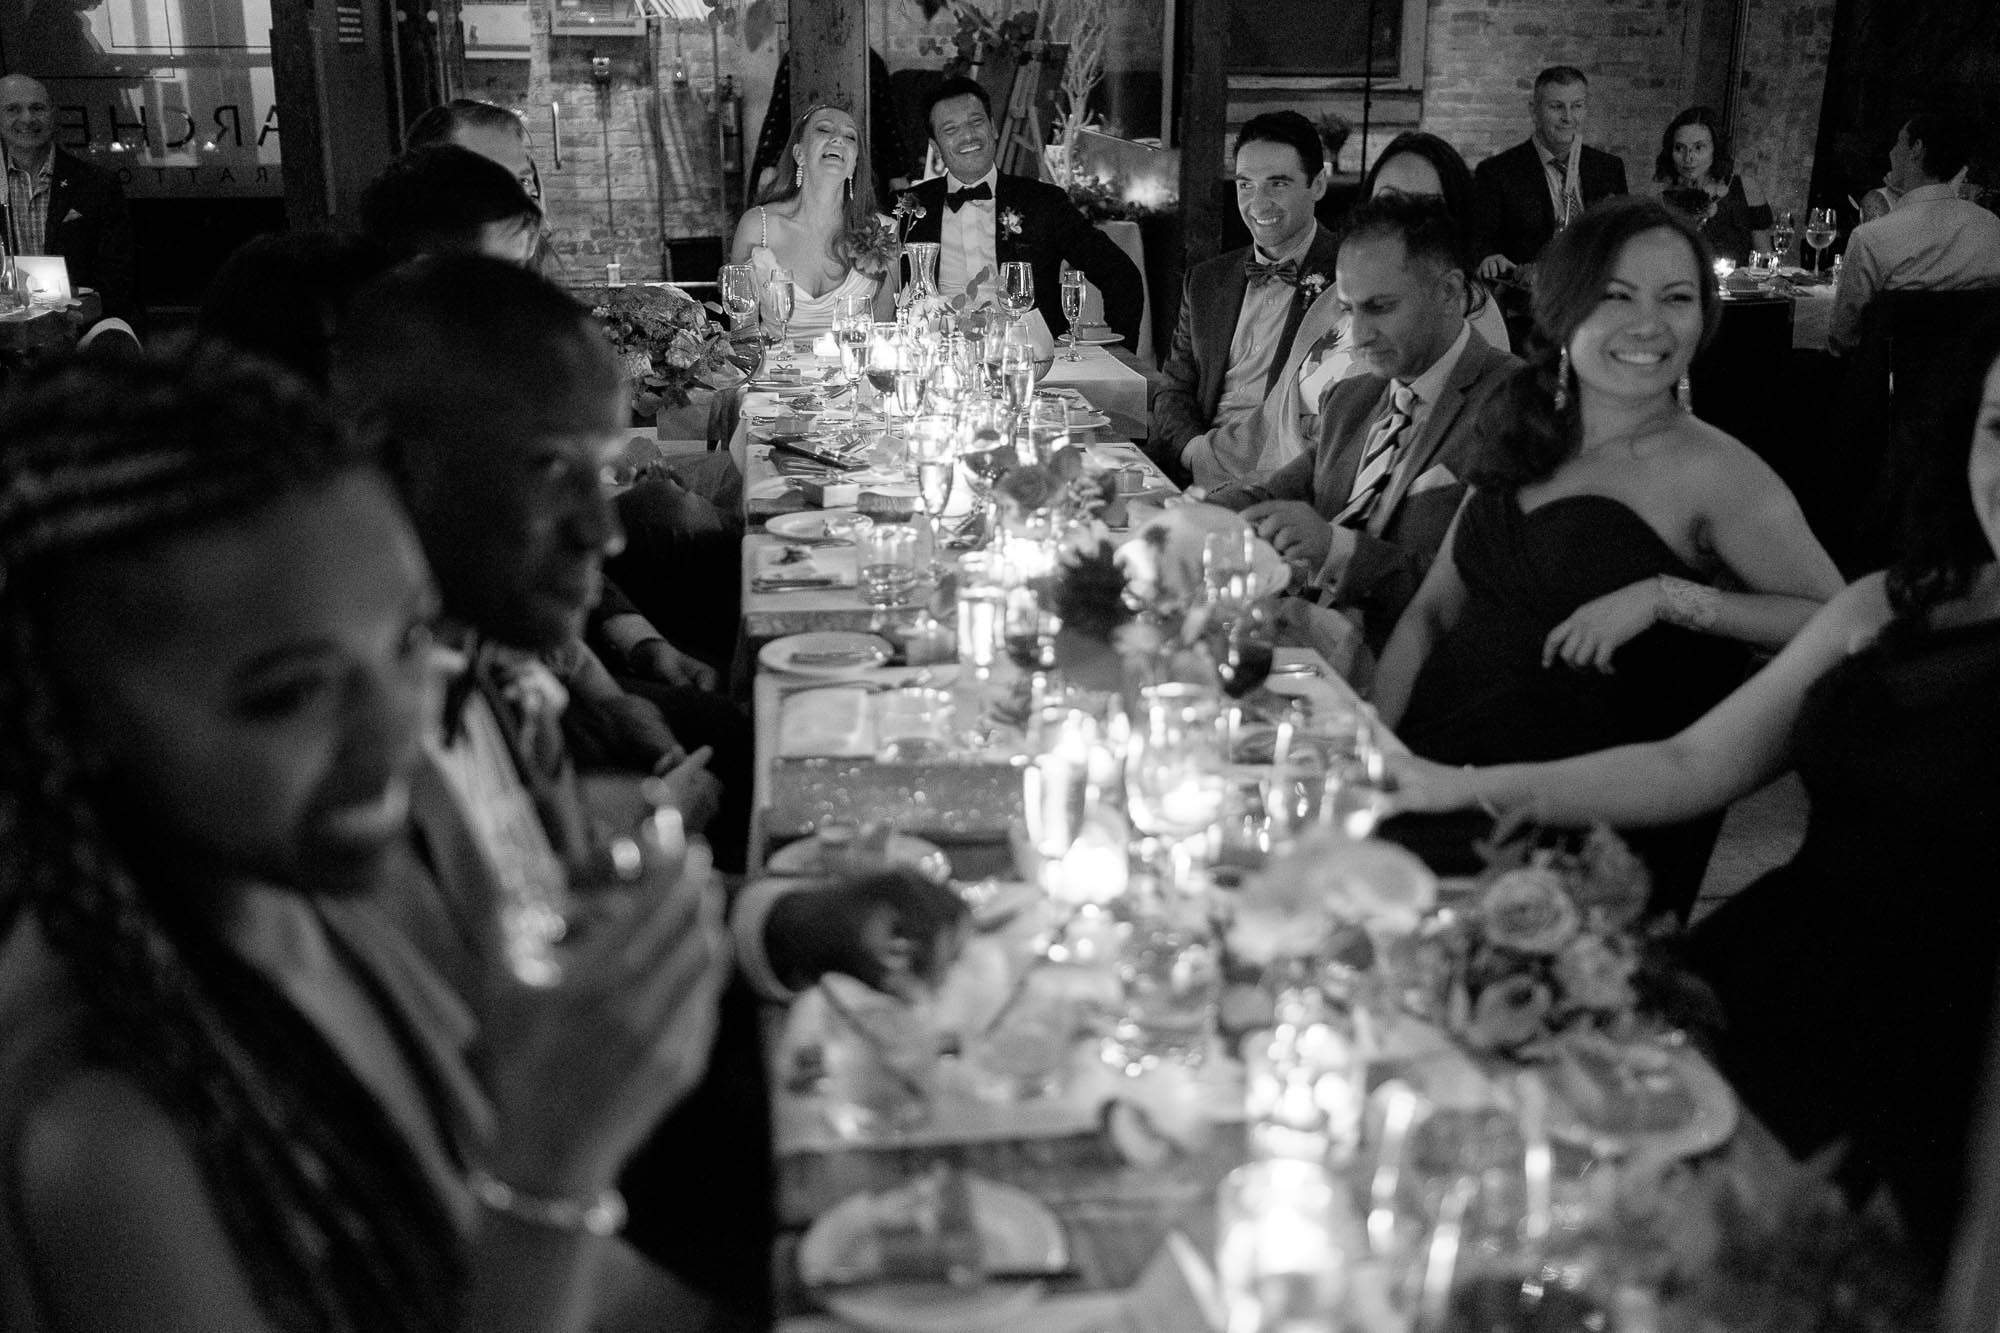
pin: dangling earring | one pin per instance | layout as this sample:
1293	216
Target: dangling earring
1562	380
799	175
1684	393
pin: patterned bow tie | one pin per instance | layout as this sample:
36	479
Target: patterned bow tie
1260	273
957	199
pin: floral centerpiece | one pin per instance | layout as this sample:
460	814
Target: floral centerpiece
1551	949
670	344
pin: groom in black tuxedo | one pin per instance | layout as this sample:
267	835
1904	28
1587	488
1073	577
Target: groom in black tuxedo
984	218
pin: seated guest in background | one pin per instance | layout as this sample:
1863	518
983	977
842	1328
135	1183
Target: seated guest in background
497	401
1360	517
231	1094
1241	309
1932	241
1602	581
58	204
1699	178
1535	189
983	217
493	132
1857	981
816	224
281	296
450	200
1322	354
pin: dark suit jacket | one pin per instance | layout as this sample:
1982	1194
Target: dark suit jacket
1183	405
90	226
1052	231
1392	554
1513	210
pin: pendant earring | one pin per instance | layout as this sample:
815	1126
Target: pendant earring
1684	394
799	175
1562	380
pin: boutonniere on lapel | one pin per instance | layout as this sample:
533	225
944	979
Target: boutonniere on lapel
1010	223
1310	286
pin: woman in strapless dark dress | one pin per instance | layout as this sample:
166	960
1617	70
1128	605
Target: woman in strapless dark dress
1857	980
1617	559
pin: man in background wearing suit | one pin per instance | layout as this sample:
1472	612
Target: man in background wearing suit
58	204
1360	517
1241	309
985	217
1534	189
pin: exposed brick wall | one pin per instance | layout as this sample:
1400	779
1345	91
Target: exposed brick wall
1786	45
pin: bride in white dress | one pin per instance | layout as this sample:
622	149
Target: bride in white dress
816	223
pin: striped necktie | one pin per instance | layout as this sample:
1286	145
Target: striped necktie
1572	201
1378	458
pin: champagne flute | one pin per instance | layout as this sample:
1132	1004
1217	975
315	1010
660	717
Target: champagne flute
1822	229
1017	287
776	304
1017	373
1072	307
1782	232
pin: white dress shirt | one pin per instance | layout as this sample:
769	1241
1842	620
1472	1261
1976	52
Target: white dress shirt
1932	240
967	235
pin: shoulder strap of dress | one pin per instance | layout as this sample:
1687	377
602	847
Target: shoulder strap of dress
763	225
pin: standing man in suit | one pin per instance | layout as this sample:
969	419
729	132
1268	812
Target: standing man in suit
1242	308
1360	517
984	218
57	204
1534	189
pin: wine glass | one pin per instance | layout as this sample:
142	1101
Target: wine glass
1174	783
936	459
1244	645
1782	232
885	358
1017	287
1072	307
1822	228
739	293
776	303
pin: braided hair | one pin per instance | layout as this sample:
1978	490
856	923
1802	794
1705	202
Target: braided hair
335	1224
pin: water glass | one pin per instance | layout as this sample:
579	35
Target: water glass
1174	776
1024	1050
982	599
1048	425
913	725
1170	982
888	563
1280	1269
1017	287
880	1059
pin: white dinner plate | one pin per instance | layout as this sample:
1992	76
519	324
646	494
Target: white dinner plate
1087	420
855	653
1016	1231
904	849
816	525
1708	1126
1095	338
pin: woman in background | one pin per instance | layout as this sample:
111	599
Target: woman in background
818	223
1699	178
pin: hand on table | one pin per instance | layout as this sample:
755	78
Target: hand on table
893	929
656	659
1595	631
582	1070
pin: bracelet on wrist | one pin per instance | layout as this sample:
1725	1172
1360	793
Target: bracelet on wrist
1689	605
602	1216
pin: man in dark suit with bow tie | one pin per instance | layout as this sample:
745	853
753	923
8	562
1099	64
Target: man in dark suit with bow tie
1241	308
57	204
984	218
1524	194
1360	517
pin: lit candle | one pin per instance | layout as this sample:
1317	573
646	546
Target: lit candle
1723	268
1277	1261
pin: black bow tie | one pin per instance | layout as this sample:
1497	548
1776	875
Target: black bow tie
955	199
1260	273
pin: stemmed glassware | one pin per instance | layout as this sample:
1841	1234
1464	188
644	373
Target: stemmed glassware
1017	288
1782	232
739	294
1822	228
775	301
886	356
1072	307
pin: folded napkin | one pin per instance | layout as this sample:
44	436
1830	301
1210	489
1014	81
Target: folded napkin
805	569
829	721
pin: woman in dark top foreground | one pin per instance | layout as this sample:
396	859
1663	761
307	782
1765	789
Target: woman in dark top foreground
1857	980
